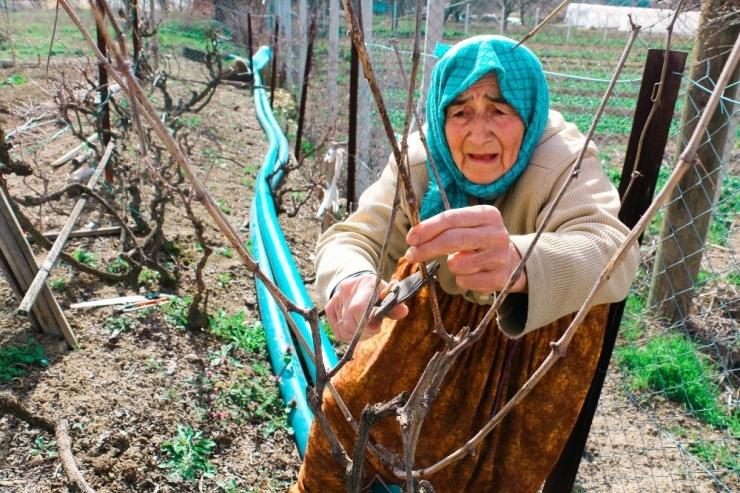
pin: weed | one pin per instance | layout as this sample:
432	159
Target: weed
191	121
14	360
717	454
247	182
176	311
223	280
734	278
118	266
59	284
231	487
148	276
171	248
44	449
76	428
222	356
613	173
153	365
234	328
85	257
222	205
231	391
120	324
227	252
189	454
13	80
726	211
324	324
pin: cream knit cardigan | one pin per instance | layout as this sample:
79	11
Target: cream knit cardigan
580	238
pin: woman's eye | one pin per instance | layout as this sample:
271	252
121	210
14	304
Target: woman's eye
456	114
498	110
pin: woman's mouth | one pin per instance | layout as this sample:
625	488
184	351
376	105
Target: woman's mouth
482	157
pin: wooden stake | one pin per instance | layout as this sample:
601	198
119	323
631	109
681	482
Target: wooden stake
42	275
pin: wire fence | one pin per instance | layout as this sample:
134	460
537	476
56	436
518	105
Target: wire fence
668	417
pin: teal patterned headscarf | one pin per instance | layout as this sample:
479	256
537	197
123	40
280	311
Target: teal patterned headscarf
522	84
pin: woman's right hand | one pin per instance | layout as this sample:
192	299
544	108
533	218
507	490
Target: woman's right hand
346	307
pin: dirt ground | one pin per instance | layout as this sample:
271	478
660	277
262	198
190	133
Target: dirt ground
124	392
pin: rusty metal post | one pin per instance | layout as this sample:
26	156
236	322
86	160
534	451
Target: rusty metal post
304	88
354	88
104	113
273	82
249	40
136	35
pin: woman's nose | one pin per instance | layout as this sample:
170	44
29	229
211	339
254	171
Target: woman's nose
481	130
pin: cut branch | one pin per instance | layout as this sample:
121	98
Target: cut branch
9	404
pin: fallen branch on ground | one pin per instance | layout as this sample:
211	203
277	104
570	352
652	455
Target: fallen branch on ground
9	404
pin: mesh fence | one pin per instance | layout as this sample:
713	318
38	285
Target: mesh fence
668	417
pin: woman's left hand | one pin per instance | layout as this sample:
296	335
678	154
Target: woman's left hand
479	251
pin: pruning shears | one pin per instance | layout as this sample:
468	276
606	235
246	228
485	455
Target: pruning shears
399	291
140	305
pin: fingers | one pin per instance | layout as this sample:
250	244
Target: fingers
468	217
485	260
488	279
460	230
346	308
398	312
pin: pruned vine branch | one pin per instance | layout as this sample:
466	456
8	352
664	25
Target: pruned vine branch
9	404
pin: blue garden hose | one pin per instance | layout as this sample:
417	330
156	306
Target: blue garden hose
271	252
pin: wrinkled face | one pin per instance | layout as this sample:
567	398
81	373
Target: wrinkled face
483	131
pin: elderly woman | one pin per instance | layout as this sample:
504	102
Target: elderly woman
502	157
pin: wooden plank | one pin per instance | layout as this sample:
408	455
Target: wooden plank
42	274
86	233
563	476
22	263
15	285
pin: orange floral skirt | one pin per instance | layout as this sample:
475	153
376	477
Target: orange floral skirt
517	455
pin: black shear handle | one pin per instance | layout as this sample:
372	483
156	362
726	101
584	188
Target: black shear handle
400	291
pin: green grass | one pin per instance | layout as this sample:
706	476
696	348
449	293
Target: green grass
13	80
179	32
673	365
14	360
593	102
726	210
608	124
